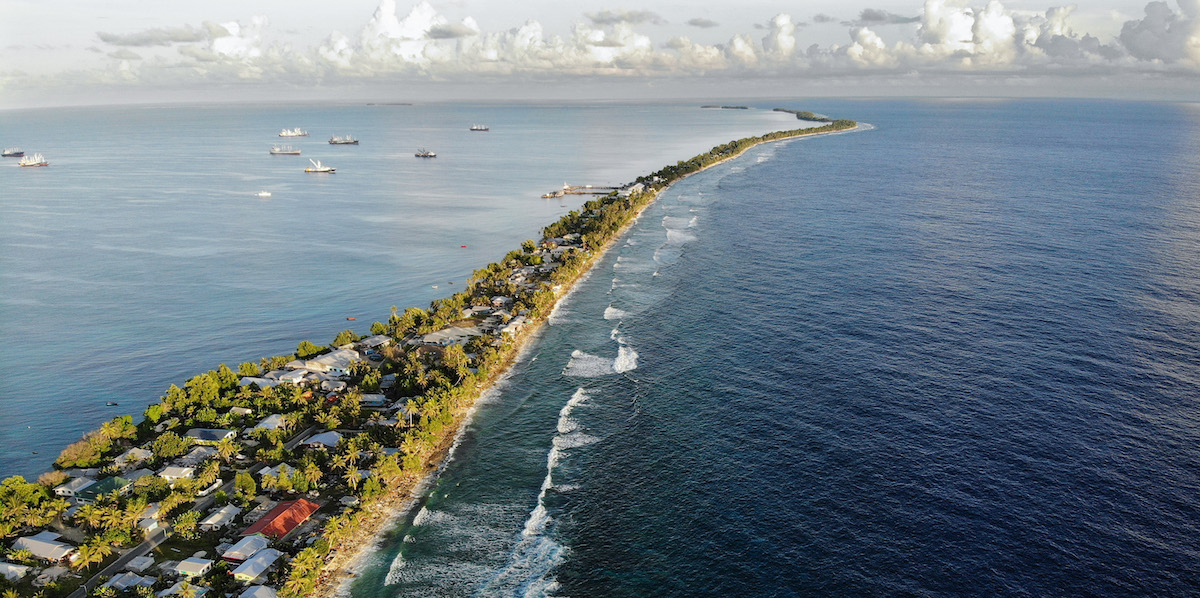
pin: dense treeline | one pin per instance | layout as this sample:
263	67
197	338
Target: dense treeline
805	115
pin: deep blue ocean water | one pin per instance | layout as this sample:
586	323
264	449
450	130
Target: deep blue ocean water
952	355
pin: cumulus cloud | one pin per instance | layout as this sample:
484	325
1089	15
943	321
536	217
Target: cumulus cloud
452	31
950	35
160	36
703	23
614	17
1164	35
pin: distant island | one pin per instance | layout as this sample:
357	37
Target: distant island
809	116
726	107
271	479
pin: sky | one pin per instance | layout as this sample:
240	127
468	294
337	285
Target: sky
136	51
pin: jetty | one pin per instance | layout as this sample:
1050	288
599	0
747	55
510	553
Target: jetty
579	190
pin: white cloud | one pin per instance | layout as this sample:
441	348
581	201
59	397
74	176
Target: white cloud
950	36
1164	35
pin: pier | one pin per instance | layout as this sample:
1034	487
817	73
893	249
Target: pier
579	190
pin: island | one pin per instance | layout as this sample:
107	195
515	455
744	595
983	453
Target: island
805	115
268	479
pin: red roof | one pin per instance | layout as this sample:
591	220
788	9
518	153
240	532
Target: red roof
283	518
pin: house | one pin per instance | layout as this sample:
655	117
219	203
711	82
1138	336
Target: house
260	382
69	489
296	377
284	518
195	590
501	301
137	474
139	564
333	385
323	440
241	411
197	456
124	581
193	567
376	341
45	545
220	518
104	487
174	473
256	565
13	572
258	592
274	421
452	335
209	435
336	363
245	548
132	457
373	401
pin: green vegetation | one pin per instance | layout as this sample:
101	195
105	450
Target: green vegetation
804	115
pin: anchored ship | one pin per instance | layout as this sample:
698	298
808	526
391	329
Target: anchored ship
317	167
424	153
347	140
297	132
34	160
284	150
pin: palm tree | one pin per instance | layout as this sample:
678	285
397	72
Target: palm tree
226	449
313	474
352	478
90	515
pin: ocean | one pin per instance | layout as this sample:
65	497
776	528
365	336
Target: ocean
951	354
141	256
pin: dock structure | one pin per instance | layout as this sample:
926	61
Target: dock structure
579	190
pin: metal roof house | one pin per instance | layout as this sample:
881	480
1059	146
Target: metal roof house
255	566
45	545
285	517
246	548
209	435
220	518
104	487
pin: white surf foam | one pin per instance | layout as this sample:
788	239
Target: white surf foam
613	313
626	360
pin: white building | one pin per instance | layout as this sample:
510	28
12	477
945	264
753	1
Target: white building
13	572
193	567
220	518
256	565
174	474
274	421
245	548
336	363
45	545
70	488
258	592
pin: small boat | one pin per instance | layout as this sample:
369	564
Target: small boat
284	150
263	193
424	153
12	152
34	160
435	286
297	132
351	319
318	167
479	128
111	404
347	140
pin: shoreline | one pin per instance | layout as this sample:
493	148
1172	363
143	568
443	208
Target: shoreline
505	308
336	583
